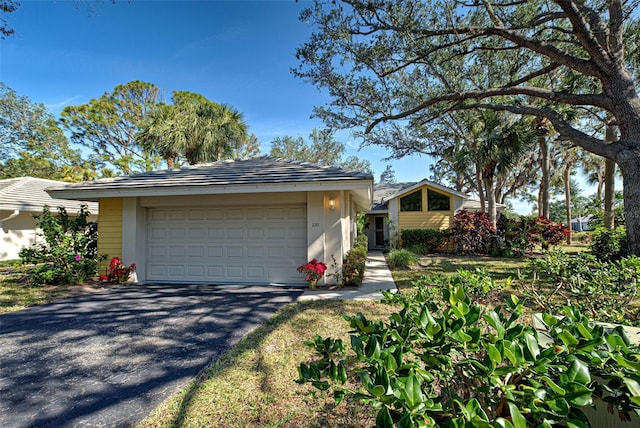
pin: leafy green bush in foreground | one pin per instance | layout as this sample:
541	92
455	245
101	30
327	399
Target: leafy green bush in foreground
66	249
462	365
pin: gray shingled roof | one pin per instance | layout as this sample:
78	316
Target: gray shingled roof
229	174
28	194
382	191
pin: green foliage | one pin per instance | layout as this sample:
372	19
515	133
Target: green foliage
477	283
32	144
108	126
607	244
195	129
401	258
459	364
603	290
423	241
323	149
353	266
66	251
362	241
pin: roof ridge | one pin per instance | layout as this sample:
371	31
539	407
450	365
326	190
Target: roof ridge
316	165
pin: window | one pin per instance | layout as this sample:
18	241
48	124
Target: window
438	201
411	202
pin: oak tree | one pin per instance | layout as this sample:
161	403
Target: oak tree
389	68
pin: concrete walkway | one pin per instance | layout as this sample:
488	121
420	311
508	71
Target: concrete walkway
376	277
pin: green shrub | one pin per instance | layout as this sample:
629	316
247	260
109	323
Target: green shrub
607	244
67	250
353	266
459	364
603	290
362	241
423	241
516	236
401	258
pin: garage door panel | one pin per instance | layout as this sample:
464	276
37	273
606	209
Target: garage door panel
255	252
174	271
274	232
196	214
197	233
195	272
216	272
235	233
255	232
215	252
296	233
255	272
235	252
235	272
217	244
216	233
215	214
177	215
296	212
196	252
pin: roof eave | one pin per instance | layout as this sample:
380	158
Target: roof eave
96	194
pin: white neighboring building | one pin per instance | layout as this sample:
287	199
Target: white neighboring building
20	200
581	224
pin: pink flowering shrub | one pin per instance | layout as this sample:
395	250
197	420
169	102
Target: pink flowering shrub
118	272
314	270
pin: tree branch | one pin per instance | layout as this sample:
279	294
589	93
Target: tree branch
573	99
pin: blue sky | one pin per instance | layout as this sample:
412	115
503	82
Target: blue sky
234	52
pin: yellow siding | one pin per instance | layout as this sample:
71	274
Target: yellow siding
438	220
110	228
425	219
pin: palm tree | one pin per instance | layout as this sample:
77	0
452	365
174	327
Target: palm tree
502	141
159	133
195	128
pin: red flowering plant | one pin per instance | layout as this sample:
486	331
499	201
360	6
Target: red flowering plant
118	272
313	271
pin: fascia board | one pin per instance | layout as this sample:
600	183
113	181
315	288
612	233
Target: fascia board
95	194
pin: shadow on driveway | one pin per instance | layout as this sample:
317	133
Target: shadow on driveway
109	358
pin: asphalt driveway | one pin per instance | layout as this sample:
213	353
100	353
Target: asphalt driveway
109	358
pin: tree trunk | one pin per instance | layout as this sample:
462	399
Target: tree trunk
491	201
545	163
629	164
567	199
609	194
609	179
481	190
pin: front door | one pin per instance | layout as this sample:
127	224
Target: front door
379	231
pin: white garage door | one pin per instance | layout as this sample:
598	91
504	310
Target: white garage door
227	245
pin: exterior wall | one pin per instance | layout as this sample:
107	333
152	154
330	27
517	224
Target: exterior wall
326	228
425	219
438	220
110	229
16	234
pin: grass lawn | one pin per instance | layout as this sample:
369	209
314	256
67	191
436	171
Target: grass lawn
17	294
253	384
498	268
